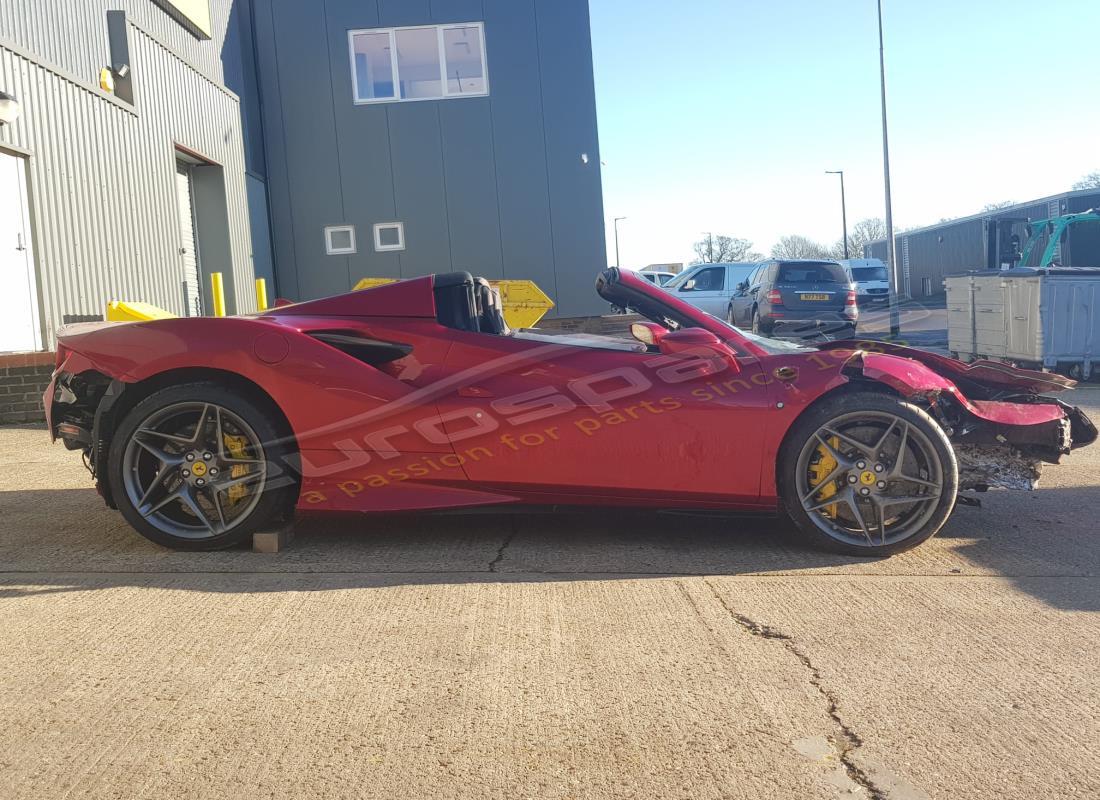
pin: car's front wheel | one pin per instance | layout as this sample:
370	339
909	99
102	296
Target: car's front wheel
200	467
866	473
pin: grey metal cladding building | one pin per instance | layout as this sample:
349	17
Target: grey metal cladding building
405	137
136	194
927	255
464	129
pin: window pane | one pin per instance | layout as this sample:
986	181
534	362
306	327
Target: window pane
373	70
465	72
418	63
389	236
710	280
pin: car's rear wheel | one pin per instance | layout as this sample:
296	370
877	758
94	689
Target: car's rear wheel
199	467
867	473
729	315
756	325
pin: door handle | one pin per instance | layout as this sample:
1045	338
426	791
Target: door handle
474	391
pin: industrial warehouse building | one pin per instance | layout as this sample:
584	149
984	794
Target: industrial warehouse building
408	137
137	193
989	240
310	143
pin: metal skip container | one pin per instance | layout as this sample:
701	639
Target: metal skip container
1048	318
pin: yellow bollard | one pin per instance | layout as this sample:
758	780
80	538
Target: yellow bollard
261	294
218	292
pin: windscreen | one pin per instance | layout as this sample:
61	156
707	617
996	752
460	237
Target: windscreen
811	272
869	273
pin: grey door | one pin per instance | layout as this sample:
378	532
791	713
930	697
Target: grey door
189	247
706	290
19	328
741	302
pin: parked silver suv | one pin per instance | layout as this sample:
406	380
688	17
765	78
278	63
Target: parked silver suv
710	286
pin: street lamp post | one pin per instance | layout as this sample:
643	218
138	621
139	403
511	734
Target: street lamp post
891	259
843	207
616	225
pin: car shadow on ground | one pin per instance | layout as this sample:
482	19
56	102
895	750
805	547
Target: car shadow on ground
66	540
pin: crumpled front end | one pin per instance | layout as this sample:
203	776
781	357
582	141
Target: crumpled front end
1001	428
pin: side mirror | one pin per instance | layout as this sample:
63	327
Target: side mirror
702	344
743	287
648	333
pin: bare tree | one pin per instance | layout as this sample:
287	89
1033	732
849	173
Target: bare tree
998	206
796	246
722	249
1090	181
872	229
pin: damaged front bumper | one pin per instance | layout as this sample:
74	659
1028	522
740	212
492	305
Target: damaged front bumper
1000	426
998	450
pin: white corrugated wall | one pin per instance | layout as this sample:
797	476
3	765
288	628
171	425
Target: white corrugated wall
102	173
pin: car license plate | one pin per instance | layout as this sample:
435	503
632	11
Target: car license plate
814	296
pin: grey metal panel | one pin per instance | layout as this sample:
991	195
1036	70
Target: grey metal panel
944	251
397	13
468	177
363	146
420	200
311	147
262	258
519	143
239	70
471	186
444	11
572	152
102	173
73	34
280	200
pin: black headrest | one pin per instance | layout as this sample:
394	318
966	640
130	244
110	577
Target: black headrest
446	279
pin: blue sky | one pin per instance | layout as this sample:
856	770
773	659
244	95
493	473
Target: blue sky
722	115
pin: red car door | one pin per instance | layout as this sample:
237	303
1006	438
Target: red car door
540	416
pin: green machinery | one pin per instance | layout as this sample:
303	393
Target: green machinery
1055	230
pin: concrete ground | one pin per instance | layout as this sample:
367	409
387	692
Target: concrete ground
584	655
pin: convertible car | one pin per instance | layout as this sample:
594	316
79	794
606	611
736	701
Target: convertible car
416	395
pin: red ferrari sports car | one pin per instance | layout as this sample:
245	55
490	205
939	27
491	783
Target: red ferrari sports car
416	395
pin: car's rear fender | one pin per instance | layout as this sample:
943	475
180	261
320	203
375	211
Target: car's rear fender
85	406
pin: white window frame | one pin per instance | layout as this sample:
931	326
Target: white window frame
339	251
384	248
397	98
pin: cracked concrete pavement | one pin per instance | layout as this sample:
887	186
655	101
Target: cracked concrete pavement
596	655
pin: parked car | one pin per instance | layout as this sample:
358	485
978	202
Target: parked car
710	286
657	278
801	298
416	396
871	278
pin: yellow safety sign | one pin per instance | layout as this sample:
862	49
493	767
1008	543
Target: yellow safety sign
121	311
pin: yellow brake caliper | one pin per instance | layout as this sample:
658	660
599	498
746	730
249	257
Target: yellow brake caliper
819	471
236	446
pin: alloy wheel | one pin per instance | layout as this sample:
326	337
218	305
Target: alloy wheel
194	470
869	479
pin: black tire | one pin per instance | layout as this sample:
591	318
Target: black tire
758	326
929	446
271	489
729	315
